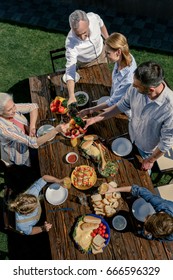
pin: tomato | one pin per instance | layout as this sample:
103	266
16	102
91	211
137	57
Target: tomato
95	230
101	224
104	227
61	109
106	235
53	108
93	234
58	104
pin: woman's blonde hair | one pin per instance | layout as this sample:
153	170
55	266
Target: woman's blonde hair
118	41
4	98
24	204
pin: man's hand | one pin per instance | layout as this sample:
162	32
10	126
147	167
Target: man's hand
147	164
71	100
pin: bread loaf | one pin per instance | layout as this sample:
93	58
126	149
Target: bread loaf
90	137
89	226
86	145
91	219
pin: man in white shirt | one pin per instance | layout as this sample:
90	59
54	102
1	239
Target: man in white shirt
84	45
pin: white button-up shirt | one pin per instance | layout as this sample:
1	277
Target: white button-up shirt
151	123
84	51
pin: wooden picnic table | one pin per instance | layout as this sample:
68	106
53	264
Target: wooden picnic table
126	245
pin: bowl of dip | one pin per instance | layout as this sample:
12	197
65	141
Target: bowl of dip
71	157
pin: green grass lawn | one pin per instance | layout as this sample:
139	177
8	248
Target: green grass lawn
24	52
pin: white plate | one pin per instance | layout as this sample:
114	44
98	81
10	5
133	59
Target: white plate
141	209
121	146
44	129
86	95
56	194
102	99
77	78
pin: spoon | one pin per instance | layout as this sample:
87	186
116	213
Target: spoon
102	157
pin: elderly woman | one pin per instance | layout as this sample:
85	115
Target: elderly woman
158	226
27	207
117	51
16	135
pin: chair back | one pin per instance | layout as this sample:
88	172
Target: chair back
57	57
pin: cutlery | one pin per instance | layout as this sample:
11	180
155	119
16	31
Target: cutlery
61	209
51	142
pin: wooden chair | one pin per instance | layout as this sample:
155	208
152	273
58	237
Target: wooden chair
56	55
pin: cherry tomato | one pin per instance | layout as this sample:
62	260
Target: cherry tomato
93	234
104	227
101	224
106	235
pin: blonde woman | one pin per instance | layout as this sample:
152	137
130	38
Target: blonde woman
117	51
27	208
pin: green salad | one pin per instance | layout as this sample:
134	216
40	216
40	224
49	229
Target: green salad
110	169
81	99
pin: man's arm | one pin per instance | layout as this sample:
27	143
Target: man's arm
104	32
71	87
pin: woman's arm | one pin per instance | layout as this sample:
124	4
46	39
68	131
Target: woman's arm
33	119
39	229
107	114
91	110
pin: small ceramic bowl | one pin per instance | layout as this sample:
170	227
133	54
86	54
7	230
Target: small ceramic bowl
71	157
119	222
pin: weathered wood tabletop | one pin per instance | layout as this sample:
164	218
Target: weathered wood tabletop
96	81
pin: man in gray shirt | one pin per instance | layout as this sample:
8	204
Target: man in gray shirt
151	104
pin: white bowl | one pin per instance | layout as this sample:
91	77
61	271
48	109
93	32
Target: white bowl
86	97
77	78
119	222
141	209
102	99
56	194
45	129
71	154
121	146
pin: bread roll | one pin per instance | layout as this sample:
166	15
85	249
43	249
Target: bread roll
86	145
91	219
90	137
89	226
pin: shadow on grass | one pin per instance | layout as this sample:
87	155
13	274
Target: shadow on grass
21	92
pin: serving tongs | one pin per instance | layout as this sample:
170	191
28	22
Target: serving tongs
103	164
